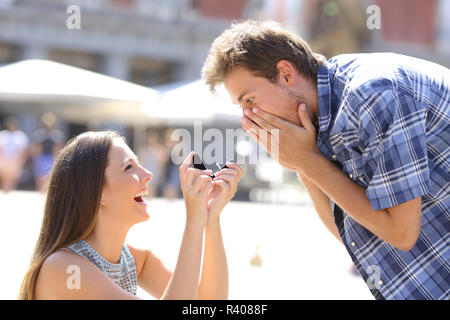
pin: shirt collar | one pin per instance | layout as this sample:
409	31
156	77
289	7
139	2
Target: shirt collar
324	76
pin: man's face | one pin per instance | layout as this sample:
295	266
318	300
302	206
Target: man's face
276	98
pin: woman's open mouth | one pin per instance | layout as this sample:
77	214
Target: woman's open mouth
139	197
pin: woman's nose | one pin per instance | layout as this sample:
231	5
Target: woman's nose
147	175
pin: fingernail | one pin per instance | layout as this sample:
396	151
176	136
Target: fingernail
247	112
303	107
255	110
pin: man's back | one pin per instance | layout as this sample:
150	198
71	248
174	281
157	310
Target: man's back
427	81
386	119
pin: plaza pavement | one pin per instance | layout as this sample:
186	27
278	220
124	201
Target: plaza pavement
300	258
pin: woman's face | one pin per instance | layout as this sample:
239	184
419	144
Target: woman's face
126	184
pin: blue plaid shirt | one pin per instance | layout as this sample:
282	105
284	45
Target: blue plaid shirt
384	121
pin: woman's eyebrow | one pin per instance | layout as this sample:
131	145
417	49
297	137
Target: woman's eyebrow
130	159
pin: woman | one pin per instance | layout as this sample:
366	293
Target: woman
95	195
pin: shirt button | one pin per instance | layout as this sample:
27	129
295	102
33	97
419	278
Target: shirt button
333	156
380	282
353	244
351	176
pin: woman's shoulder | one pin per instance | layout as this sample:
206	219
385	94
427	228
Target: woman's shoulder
61	261
62	257
140	256
55	271
67	275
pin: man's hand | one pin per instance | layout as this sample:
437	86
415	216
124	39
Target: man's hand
289	144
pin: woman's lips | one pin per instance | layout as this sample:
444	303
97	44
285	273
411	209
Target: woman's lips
139	197
140	200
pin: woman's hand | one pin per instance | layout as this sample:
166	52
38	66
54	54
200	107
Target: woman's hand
195	185
225	186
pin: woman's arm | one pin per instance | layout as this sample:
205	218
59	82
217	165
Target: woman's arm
157	280
214	281
196	185
152	275
183	285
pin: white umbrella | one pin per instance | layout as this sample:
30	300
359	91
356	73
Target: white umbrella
186	102
76	94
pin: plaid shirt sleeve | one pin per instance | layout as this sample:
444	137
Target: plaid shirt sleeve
392	131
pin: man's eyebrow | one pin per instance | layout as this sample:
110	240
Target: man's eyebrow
241	96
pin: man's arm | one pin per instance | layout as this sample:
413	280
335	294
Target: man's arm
398	225
296	148
321	204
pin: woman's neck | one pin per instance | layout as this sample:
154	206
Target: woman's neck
107	239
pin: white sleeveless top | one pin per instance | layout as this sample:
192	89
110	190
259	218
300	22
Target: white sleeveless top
123	273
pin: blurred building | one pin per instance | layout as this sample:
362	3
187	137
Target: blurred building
157	42
152	42
419	28
148	42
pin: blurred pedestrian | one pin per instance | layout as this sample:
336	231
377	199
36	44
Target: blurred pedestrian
13	154
171	187
153	157
46	142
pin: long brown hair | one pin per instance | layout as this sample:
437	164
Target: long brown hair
73	199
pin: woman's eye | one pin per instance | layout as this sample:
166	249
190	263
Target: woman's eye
250	100
128	167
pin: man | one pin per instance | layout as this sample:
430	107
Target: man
368	135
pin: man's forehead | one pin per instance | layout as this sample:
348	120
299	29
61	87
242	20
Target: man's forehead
239	83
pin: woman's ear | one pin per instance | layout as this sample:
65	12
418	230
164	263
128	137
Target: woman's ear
103	198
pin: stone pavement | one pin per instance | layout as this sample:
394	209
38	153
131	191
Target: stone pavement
299	258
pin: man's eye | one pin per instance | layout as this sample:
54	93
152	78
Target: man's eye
250	101
128	167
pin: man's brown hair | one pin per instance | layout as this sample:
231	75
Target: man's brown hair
258	47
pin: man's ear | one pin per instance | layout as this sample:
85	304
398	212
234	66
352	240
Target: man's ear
286	72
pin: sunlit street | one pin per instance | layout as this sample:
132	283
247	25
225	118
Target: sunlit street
299	258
